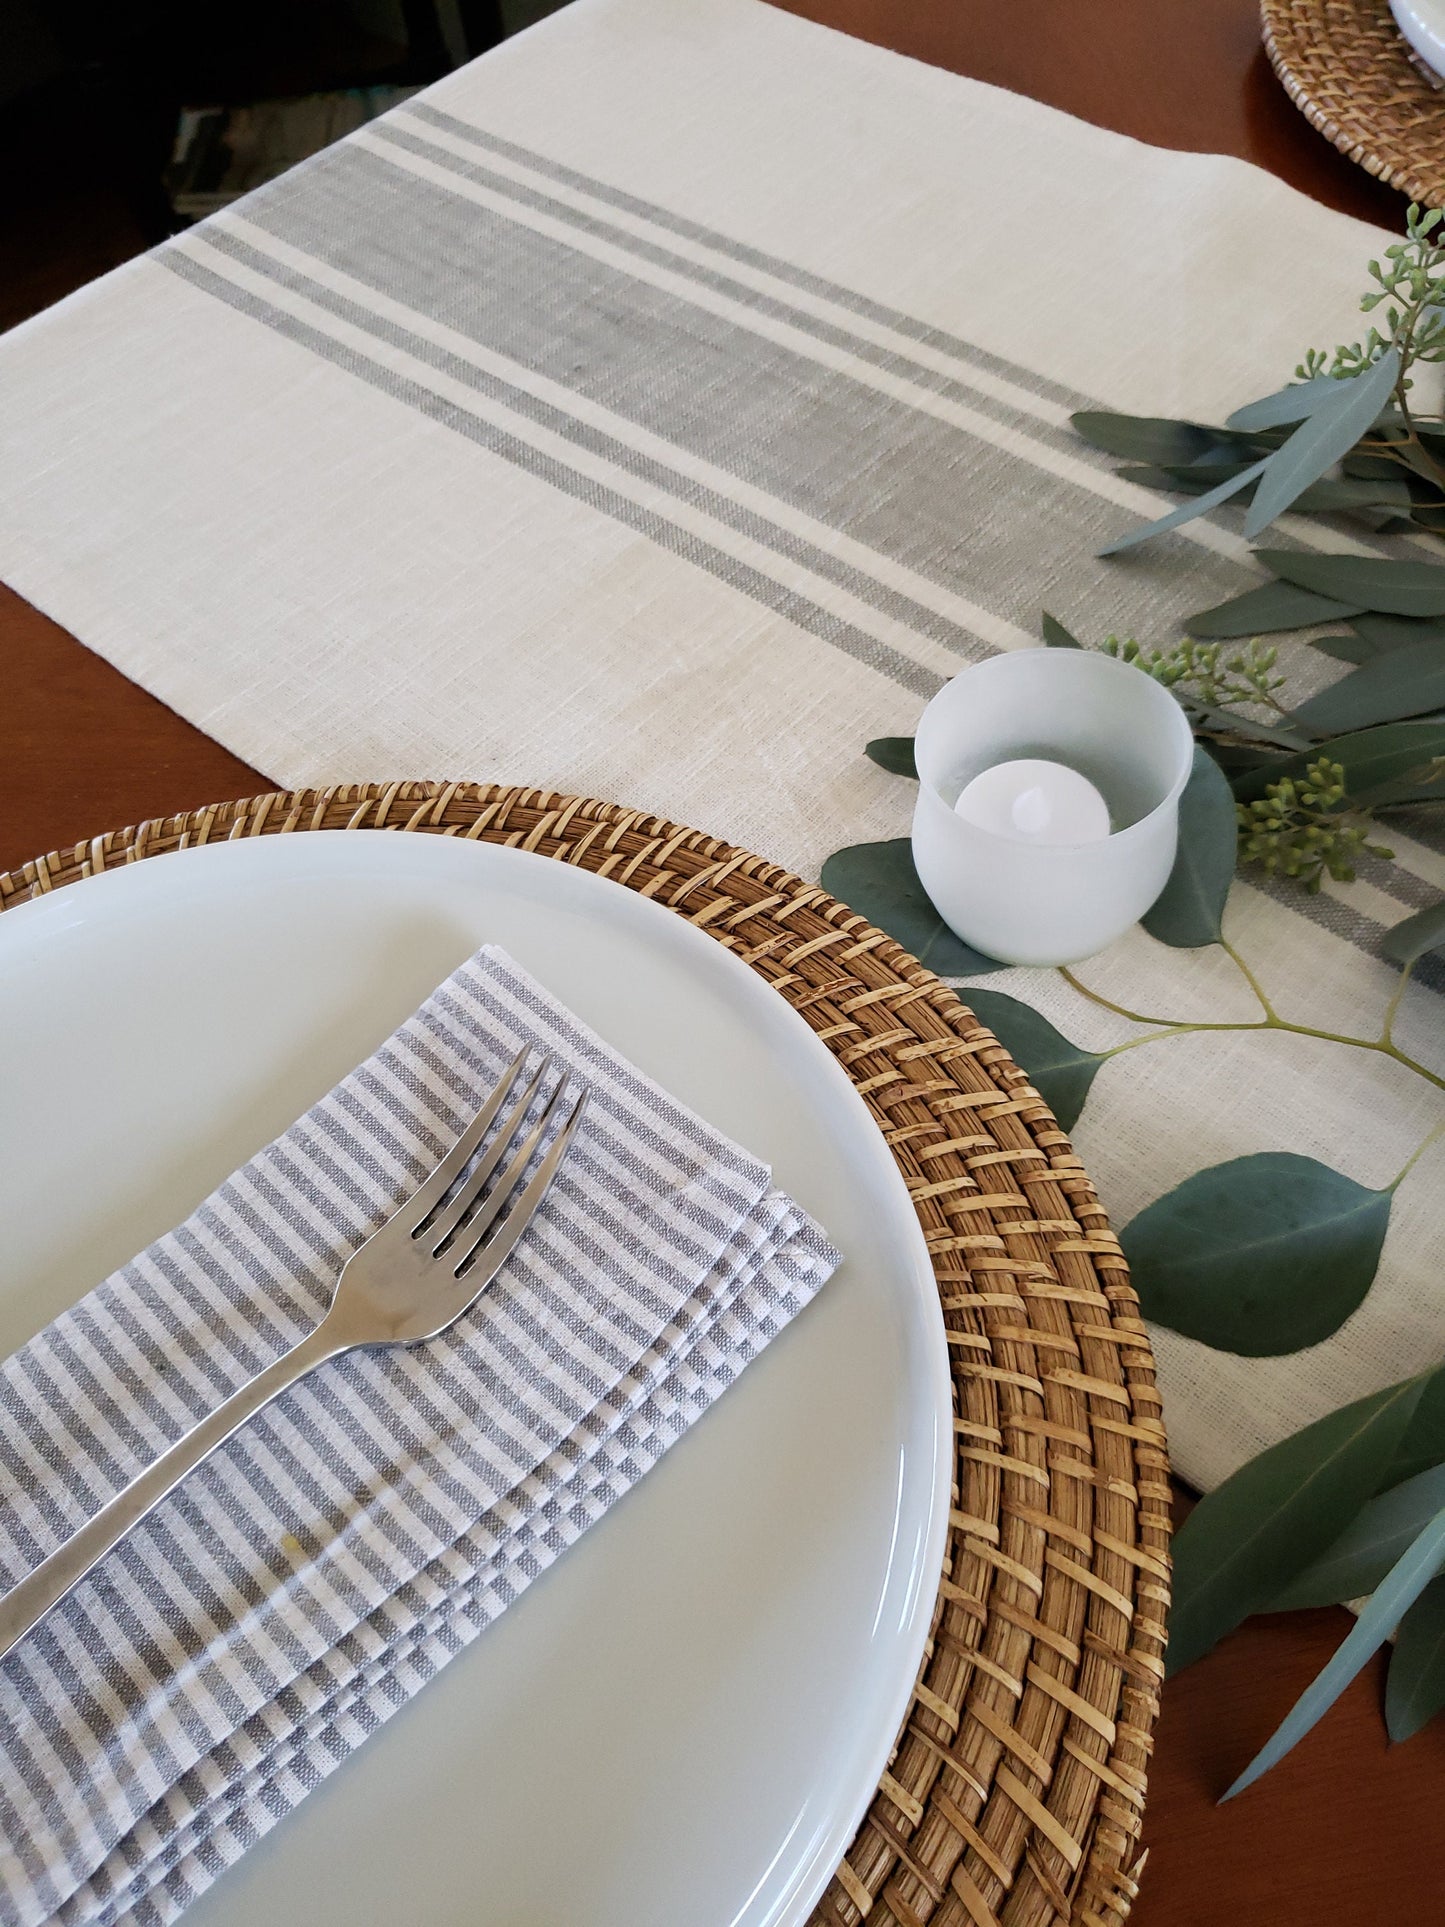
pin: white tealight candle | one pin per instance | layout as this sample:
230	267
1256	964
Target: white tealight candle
1035	801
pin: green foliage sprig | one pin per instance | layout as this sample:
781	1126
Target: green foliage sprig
1200	670
1345	437
1412	282
1354	1504
1296	829
1311	781
1268	1254
1304	823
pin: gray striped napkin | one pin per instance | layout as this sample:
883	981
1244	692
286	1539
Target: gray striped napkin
320	1568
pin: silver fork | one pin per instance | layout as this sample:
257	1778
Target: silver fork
415	1275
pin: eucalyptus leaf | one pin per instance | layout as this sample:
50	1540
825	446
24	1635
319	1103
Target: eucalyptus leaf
1332	494
1059	1071
1273	1517
1369	1545
879	881
1289	404
893	753
1236	758
1394	632
1261	611
1275	735
1191	479
1417	460
1375	766
1397	1592
1145	438
1379	501
1187	914
1388	587
1200	505
1401	796
1415	1683
1055	634
1345	647
1370	758
1259	1256
1407	942
1330	431
1388	521
1423	1443
1400	683
1370	467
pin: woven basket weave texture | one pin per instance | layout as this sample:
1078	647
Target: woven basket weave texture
1015	1794
1346	66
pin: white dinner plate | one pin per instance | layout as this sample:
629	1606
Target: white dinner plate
681	1723
1423	24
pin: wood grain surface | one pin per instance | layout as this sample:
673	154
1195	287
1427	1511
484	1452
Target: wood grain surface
1343	1832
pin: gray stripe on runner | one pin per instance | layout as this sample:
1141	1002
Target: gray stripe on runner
889	359
949	504
1408	888
748	581
1343	920
968	352
890	602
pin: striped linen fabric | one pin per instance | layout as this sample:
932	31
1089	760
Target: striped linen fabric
665	404
316	1571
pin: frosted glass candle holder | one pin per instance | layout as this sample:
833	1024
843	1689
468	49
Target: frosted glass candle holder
1012	896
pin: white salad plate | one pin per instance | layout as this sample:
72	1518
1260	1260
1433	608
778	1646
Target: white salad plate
1423	24
684	1719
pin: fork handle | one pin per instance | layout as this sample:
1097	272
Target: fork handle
27	1603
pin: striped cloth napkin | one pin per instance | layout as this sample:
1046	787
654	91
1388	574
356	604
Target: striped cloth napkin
314	1573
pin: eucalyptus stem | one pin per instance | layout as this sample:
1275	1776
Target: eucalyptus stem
1173	1030
1383	1045
1423	462
1387	1031
1405	342
1107	1003
1432	1137
1249	977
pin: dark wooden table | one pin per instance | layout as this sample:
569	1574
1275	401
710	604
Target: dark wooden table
1343	1832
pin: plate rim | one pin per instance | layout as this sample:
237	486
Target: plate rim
906	1037
53	912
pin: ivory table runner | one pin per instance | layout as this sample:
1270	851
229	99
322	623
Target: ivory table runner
662	406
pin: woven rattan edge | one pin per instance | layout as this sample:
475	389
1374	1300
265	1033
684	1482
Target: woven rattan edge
1354	78
1015	1792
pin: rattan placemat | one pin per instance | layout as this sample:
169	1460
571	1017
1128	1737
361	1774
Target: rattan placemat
1346	66
1015	1794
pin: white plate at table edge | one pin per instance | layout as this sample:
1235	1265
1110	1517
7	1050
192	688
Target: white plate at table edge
256	931
1422	24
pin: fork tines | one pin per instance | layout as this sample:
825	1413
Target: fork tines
451	1214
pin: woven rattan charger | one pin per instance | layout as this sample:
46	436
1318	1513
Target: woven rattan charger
1346	66
1016	1790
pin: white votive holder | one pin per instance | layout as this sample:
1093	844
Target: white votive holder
1027	901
